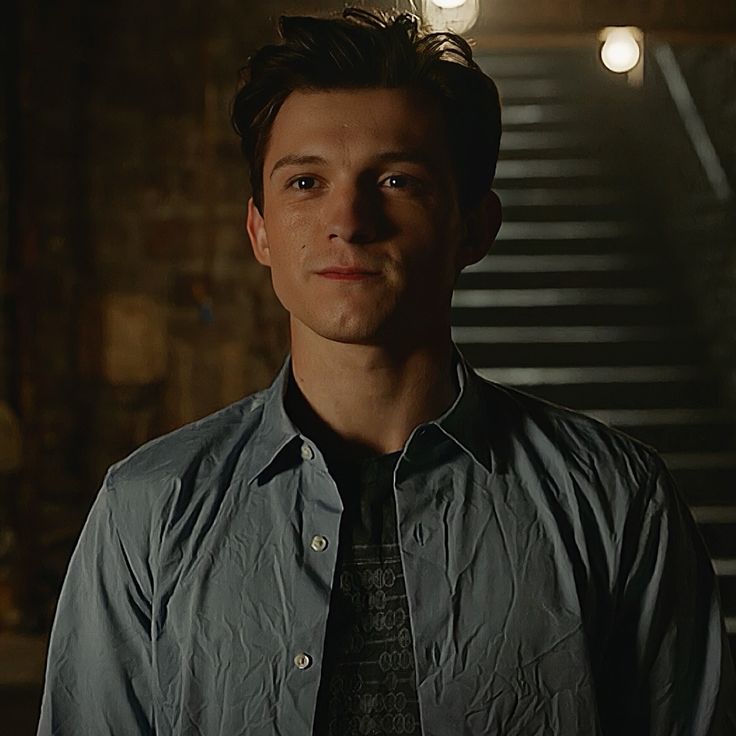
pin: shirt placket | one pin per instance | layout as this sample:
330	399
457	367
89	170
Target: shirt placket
319	520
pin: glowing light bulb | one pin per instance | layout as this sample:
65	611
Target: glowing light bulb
449	3
457	16
621	51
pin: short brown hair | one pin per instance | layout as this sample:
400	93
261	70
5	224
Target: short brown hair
369	49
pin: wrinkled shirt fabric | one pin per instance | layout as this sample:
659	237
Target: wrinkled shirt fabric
556	582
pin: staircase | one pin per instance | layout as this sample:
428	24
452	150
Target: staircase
576	303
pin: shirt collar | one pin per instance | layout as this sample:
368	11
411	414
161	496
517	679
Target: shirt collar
276	431
464	422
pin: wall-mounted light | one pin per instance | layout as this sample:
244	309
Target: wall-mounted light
446	4
457	16
621	49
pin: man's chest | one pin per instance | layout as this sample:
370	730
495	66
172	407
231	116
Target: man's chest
496	587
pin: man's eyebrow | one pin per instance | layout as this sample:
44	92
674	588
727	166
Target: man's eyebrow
294	159
406	156
385	157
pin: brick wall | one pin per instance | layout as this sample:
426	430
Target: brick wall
141	306
9	431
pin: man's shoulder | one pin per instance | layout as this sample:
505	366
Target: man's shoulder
564	436
192	452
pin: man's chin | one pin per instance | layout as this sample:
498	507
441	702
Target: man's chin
349	332
354	336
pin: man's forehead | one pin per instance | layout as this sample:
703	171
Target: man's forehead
359	98
382	121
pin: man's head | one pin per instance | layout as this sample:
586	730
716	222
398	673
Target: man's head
372	153
363	50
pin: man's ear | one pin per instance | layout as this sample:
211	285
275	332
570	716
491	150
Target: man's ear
257	233
482	224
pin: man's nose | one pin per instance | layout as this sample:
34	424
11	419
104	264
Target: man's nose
354	214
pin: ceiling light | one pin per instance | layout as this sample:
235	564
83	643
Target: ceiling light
445	4
457	16
621	51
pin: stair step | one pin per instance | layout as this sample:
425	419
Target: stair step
583	335
551	316
704	478
669	417
513	65
586	149
542	140
556	297
591	375
549	196
651	395
727	589
688	461
545	247
528	347
672	438
533	89
707	485
558	263
715	515
498	281
633	278
559	271
661	417
543	168
532	230
572	211
719	540
540	114
725	567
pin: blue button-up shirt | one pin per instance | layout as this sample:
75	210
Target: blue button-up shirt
555	580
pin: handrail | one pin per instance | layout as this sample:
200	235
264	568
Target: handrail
693	122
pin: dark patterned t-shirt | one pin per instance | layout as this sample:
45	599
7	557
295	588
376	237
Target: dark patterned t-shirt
368	684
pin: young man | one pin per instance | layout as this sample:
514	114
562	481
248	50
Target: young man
382	542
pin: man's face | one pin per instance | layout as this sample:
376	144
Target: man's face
361	226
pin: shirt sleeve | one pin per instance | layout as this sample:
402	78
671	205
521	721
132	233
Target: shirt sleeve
98	672
669	666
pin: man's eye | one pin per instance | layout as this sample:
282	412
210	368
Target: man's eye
396	181
303	183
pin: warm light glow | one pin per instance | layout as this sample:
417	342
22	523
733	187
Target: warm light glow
621	51
458	16
448	3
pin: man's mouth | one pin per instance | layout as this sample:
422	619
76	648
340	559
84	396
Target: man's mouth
346	274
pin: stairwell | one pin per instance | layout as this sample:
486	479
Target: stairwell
578	301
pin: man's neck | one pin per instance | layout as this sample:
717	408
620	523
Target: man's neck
359	400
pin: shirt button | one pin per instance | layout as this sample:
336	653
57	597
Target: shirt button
318	543
302	661
307	452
